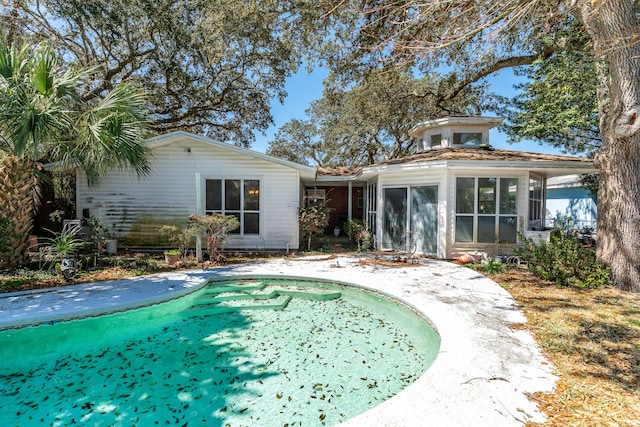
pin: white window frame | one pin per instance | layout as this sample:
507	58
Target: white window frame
242	211
471	132
476	214
316	194
537	207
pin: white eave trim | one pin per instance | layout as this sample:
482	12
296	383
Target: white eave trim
341	178
487	122
569	166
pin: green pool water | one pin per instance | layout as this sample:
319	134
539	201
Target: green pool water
240	352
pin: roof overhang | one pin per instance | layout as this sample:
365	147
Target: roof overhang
486	122
546	168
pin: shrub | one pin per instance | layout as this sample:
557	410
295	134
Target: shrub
564	261
214	230
313	218
494	267
180	236
358	231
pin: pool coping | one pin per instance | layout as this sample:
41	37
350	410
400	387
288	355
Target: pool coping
483	372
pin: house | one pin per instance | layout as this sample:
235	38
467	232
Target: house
454	195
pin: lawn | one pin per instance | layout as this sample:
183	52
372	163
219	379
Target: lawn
592	336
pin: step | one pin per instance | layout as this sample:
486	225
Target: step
230	296
218	288
277	303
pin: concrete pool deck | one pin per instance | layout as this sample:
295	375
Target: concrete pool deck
481	376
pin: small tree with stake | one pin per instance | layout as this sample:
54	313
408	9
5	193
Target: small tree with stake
313	218
214	230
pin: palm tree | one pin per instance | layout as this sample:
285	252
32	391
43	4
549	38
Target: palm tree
43	119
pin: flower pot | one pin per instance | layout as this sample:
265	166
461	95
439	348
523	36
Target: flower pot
171	259
469	258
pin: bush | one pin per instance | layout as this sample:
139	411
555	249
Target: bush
358	231
313	218
564	261
214	230
494	267
180	236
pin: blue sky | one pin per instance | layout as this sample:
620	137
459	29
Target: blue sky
302	88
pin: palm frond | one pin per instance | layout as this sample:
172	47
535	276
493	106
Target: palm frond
42	70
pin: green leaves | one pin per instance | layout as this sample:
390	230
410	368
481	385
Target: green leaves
370	121
559	104
208	66
43	118
43	67
564	260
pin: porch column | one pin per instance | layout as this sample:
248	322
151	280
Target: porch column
349	203
200	210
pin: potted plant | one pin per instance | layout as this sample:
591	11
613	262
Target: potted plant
105	238
63	246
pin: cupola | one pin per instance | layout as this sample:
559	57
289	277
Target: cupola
448	132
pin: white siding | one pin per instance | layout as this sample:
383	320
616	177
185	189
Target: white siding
169	193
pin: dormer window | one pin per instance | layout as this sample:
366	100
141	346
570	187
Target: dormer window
469	139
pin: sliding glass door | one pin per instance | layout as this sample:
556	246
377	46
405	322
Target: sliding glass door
410	219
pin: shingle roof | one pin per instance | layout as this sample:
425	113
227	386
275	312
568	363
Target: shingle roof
461	154
480	154
338	170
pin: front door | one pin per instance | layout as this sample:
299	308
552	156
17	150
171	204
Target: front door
410	219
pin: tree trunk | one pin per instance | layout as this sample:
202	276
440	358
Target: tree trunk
614	28
19	197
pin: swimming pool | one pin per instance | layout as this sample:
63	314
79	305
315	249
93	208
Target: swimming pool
313	353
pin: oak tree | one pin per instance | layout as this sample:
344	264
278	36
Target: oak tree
209	66
370	121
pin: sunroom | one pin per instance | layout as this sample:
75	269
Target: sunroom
459	195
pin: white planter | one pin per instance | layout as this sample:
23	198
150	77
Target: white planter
538	237
111	247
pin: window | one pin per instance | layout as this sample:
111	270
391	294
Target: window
536	205
359	198
316	195
372	206
237	197
486	210
473	139
436	140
